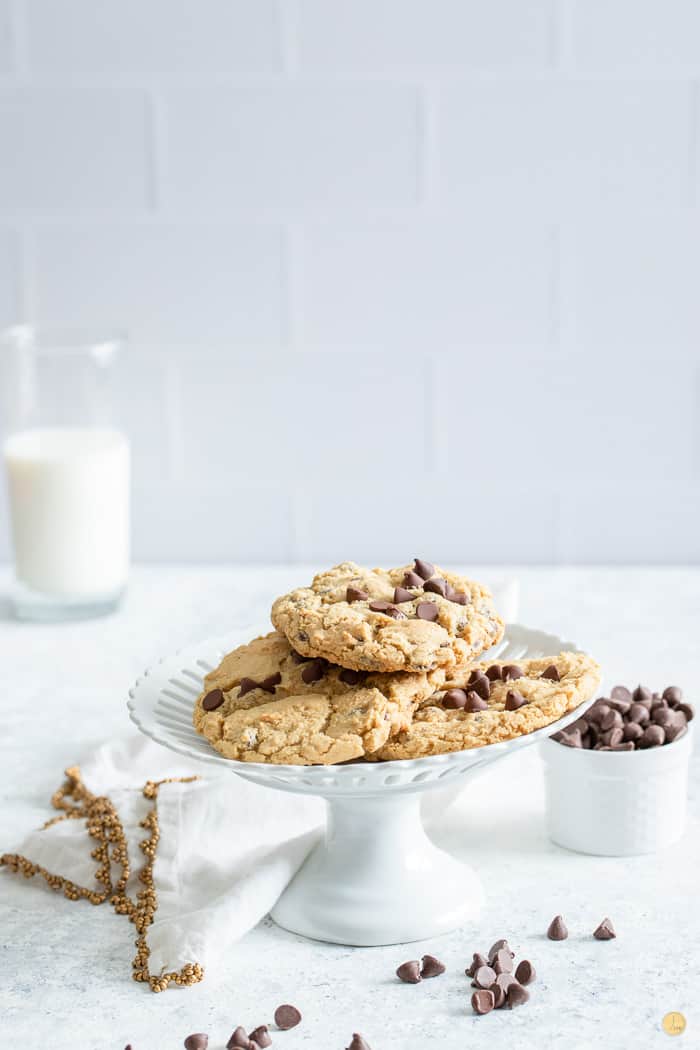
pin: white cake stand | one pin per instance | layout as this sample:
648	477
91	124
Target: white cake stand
375	878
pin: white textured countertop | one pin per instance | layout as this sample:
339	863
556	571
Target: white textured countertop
65	967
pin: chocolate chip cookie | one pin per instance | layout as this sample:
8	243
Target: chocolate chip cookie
415	618
495	701
266	702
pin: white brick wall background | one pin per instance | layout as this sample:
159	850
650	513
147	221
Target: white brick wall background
400	276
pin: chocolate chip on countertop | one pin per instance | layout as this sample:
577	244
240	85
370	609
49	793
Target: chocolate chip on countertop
424	569
525	972
431	967
502	962
654	736
314	670
475	702
356	594
494	673
499	996
239	1039
484	977
436	586
673	693
483	1001
514	700
477	960
287	1016
427	611
516	995
197	1041
504	980
412	579
551	672
557	928
409	972
402	595
511	672
454	699
212	700
498	946
350	677
261	1036
605	932
358	1043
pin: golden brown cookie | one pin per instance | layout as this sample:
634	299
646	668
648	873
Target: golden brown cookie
266	703
495	701
414	618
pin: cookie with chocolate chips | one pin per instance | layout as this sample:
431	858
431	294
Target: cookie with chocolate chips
414	618
495	701
265	702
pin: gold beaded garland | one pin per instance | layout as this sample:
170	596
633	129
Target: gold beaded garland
76	802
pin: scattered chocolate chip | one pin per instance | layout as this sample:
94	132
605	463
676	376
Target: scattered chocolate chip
525	972
477	961
475	702
621	692
551	672
197	1041
481	685
358	1043
654	736
436	586
673	694
424	569
557	928
350	677
402	595
483	1001
484	977
427	611
499	996
502	962
504	980
454	699
287	1016
238	1040
605	932
269	683
409	972
514	700
395	613
261	1036
412	579
314	670
212	700
511	672
516	995
494	673
431	967
379	606
355	594
498	946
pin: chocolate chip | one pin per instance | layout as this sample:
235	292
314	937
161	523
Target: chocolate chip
212	700
557	928
499	996
484	977
516	995
621	692
632	731
481	685
358	1043
612	737
197	1041
622	706
627	746
494	673
431	967
504	980
350	677
611	719
424	569
238	1040
395	613
551	672
525	972
663	715
654	736
287	1017
598	712
672	732
402	595
355	594
477	961
502	962
514	700
605	932
638	713
458	597
261	1036
687	710
409	972
379	605
498	946
454	699
475	702
246	685
642	695
412	579
298	658
314	670
673	693
427	611
272	680
571	738
436	586
511	672
483	1001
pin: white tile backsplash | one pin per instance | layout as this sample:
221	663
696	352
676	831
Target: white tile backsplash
398	276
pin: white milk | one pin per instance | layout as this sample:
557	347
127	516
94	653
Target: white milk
69	505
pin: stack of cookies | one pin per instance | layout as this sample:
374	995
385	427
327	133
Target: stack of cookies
381	664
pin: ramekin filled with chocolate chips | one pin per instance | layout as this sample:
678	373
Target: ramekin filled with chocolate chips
617	778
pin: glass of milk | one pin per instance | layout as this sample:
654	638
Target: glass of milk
67	469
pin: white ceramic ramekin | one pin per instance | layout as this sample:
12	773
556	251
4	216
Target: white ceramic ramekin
616	803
